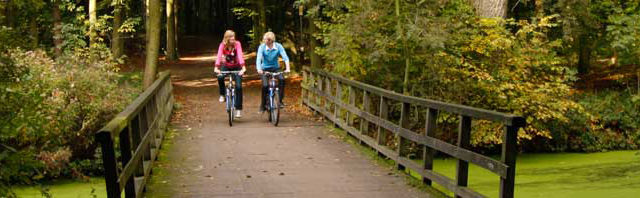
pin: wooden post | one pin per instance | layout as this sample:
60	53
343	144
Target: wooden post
366	106
464	141
509	151
352	102
109	163
125	150
136	135
430	131
404	123
336	107
384	113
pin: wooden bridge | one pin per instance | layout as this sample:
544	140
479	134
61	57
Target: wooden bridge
261	154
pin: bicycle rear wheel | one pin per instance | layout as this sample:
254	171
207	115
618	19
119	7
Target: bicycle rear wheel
275	111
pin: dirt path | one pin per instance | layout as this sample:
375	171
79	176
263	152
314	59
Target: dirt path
299	158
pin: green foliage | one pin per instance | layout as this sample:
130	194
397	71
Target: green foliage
501	65
611	123
50	110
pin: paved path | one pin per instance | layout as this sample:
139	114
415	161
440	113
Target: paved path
299	158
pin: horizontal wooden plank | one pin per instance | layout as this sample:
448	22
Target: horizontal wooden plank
120	121
485	162
478	113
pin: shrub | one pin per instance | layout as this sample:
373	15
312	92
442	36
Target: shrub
50	110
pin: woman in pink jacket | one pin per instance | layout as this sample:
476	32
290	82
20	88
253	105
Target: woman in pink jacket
230	58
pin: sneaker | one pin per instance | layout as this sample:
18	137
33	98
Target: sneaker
238	113
282	105
221	99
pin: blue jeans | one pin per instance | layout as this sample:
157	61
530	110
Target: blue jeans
223	88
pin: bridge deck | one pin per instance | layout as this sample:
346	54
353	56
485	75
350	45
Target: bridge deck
299	158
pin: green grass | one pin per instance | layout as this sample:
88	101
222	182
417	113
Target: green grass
65	189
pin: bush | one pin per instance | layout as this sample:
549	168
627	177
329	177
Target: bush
50	110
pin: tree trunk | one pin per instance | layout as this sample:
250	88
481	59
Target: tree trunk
260	23
33	32
491	8
153	44
117	44
407	63
316	61
57	29
171	31
92	22
584	54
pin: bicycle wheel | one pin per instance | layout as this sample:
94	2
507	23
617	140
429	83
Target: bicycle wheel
230	110
275	112
269	106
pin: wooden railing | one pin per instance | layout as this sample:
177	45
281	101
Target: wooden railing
138	130
325	93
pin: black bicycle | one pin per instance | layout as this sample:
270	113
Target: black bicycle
230	94
273	105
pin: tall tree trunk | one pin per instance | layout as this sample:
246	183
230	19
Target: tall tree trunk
57	28
117	44
260	23
539	8
491	8
33	32
171	31
153	44
229	14
584	54
316	61
9	16
92	22
407	63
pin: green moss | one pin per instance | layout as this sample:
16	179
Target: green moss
65	189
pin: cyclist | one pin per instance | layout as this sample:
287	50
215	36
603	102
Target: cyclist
230	58
267	60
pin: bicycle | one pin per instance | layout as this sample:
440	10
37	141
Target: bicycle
273	105
230	94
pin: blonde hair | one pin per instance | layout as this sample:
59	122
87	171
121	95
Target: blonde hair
269	35
227	35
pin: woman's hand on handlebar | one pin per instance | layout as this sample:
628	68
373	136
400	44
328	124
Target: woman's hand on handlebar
260	72
216	70
244	69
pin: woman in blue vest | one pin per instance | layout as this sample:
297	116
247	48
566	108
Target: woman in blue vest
267	60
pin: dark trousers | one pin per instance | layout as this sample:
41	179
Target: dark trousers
265	87
223	88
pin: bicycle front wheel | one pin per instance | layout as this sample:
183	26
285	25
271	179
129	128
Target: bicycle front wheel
275	108
230	107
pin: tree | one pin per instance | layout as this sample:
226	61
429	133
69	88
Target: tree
117	44
171	31
92	22
57	27
316	61
491	8
153	42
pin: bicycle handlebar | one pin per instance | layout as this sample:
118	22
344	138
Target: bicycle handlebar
272	73
229	72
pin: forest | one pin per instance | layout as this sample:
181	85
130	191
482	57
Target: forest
570	67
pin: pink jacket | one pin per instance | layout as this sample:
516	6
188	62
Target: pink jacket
239	55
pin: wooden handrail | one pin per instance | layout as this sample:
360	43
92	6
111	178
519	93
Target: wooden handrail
319	94
139	129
